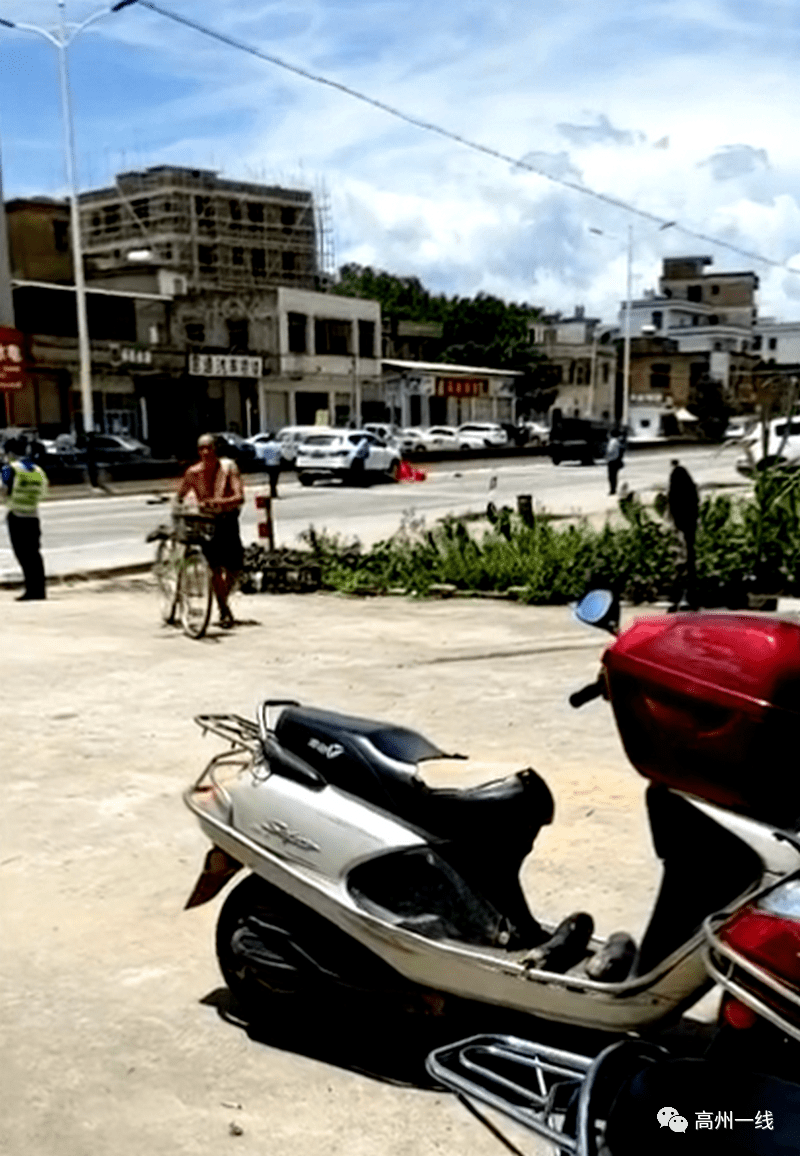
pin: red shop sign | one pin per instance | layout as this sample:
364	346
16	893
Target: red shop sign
12	368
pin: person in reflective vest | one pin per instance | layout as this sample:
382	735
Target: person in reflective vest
25	485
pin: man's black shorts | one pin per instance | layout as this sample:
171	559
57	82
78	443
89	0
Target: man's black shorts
224	549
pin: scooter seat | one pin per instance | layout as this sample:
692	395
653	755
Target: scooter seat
377	762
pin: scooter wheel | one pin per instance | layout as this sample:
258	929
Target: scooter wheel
269	944
254	934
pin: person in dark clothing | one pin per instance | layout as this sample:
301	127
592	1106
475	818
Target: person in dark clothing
614	458
25	485
683	501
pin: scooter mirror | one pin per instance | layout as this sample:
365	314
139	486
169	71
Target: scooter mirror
598	608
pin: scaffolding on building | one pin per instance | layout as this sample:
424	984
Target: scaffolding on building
219	234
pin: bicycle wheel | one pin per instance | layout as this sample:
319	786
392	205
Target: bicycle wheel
165	571
195	594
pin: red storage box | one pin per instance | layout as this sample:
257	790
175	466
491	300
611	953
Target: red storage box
710	704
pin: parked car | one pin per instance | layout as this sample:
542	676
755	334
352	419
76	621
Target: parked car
233	445
437	437
782	448
59	455
119	449
577	439
259	441
290	438
333	454
481	435
536	433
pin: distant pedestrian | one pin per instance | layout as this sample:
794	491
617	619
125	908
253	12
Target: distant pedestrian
615	451
684	506
271	454
92	467
25	485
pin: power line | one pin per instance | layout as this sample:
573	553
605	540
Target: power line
487	150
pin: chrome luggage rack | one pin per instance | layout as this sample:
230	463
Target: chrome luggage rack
754	986
562	1096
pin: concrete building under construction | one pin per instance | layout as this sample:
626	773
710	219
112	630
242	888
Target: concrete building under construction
217	234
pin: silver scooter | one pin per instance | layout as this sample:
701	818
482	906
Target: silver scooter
364	879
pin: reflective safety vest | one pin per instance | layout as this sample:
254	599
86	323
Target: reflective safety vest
28	489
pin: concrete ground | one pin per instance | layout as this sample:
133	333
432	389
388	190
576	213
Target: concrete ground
118	1036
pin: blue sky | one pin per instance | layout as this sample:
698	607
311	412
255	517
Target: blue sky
683	108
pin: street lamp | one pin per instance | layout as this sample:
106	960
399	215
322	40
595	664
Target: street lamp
61	40
626	347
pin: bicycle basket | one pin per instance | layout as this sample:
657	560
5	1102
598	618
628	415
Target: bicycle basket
194	529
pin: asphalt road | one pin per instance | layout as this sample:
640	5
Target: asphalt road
86	532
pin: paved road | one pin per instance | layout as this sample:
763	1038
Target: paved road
101	532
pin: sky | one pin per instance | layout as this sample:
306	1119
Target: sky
681	109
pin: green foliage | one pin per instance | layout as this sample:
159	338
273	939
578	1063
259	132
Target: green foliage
743	546
481	330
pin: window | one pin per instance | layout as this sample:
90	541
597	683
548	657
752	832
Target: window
195	332
237	256
111	216
756	343
297	332
235	209
715	289
238	334
61	236
773	343
288	217
713	319
203	206
141	208
366	339
255	212
258	262
287	262
332	336
658	318
694	293
206	256
660	375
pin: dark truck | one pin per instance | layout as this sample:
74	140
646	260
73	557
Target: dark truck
577	439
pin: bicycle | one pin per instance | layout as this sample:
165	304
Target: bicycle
182	572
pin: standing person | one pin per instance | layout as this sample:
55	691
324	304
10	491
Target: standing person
25	485
684	506
217	485
272	457
614	458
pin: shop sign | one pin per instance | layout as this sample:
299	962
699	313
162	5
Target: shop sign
462	386
224	365
12	369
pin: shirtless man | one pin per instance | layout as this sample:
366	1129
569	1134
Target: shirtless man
217	485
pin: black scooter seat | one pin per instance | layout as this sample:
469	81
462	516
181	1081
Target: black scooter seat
377	762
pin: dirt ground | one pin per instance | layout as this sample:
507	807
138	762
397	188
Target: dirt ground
118	1035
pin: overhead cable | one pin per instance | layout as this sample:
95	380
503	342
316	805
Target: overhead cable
487	150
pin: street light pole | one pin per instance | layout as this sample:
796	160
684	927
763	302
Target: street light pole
626	355
61	42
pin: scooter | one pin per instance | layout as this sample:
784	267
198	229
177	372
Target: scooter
365	879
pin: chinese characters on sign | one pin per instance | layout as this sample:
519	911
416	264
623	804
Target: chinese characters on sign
224	365
11	366
462	386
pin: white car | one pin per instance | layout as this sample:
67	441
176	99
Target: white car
290	438
260	441
337	454
438	437
480	435
538	433
783	445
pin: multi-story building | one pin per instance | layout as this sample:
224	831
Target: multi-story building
217	234
698	328
584	357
